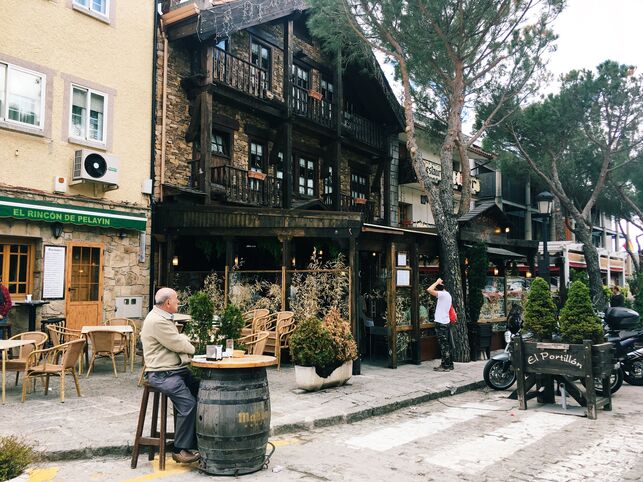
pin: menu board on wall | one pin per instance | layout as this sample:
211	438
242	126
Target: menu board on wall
53	278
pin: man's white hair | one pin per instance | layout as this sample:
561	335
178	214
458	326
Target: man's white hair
163	295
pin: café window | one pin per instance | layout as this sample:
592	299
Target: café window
16	266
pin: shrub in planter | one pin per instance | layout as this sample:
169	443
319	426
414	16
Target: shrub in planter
540	311
231	323
15	456
311	345
343	342
578	321
201	310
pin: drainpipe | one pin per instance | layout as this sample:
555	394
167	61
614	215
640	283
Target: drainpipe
152	161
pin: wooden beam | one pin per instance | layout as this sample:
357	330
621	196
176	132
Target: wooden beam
414	263
354	290
288	178
205	134
390	303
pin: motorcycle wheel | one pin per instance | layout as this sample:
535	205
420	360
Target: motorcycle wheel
633	373
616	380
499	375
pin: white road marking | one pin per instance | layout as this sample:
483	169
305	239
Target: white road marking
403	433
607	459
480	451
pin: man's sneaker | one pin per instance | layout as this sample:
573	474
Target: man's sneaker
185	457
442	369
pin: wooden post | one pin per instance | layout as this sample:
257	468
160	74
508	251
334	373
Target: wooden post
288	178
169	253
285	263
205	134
338	110
387	189
353	293
390	304
589	380
226	286
415	300
519	368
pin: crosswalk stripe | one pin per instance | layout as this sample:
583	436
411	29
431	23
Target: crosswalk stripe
400	434
482	450
617	455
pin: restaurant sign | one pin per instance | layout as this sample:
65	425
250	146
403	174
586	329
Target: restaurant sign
67	213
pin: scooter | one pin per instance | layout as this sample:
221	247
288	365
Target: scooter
498	371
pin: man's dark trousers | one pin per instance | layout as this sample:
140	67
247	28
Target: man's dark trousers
182	388
443	332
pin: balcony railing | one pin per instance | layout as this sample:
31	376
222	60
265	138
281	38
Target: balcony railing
241	188
350	204
306	105
239	74
362	129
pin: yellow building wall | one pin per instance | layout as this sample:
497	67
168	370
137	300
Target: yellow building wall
73	44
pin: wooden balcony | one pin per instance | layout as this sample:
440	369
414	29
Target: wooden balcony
350	204
306	104
240	187
239	74
362	129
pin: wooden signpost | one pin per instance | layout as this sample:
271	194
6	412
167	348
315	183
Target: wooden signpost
575	366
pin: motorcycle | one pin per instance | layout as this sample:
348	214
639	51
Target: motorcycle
623	329
498	371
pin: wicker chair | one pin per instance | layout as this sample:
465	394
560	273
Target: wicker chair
46	363
251	317
285	328
118	339
274	324
60	335
255	343
105	344
19	363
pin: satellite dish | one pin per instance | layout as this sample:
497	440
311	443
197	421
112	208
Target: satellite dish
95	165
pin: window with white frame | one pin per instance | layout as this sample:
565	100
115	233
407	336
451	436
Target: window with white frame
22	95
87	120
98	6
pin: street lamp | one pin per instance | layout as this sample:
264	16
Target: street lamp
545	201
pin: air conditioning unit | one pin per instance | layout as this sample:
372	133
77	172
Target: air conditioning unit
96	167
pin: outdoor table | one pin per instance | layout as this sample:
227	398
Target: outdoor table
233	414
31	306
125	329
7	345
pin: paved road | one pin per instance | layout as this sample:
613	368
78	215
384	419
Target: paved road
477	436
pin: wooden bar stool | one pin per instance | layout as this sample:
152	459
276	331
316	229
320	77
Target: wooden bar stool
157	438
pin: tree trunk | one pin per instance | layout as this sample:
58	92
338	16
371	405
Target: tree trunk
593	266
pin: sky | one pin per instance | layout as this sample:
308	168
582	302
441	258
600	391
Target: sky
591	31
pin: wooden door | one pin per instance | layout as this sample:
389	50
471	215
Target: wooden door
84	305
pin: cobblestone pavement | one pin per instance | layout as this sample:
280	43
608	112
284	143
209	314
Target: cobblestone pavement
476	436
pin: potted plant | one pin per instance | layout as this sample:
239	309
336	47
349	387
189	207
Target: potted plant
540	311
323	352
201	310
231	322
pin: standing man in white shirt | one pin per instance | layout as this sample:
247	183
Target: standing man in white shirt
442	324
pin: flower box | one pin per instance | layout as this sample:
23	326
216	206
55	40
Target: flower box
257	175
315	95
360	200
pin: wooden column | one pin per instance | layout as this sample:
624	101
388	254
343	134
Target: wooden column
169	254
286	250
387	189
337	150
415	300
229	263
391	292
287	187
353	256
205	133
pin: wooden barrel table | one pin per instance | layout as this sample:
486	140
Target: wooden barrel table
233	414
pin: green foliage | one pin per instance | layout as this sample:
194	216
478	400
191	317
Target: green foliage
636	285
578	275
323	344
311	344
231	323
578	321
201	310
477	276
540	311
15	456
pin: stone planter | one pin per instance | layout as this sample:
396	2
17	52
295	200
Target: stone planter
307	379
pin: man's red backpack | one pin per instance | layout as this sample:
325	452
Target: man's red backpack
453	316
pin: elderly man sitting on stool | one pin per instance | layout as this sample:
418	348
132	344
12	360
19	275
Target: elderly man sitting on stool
166	354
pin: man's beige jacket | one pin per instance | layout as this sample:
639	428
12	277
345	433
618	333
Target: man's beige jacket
164	348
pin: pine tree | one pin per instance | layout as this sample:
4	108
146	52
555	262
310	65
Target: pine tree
540	311
578	321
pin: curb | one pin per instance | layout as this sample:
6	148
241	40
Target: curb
357	416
